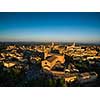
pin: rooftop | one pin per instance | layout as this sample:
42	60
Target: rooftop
51	58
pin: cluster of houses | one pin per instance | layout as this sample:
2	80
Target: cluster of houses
52	59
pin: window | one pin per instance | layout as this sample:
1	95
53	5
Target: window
45	62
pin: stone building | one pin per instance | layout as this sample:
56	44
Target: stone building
50	61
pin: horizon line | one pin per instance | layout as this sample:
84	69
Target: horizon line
55	42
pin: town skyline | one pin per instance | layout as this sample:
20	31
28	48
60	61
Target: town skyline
50	27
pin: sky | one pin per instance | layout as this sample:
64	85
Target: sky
50	26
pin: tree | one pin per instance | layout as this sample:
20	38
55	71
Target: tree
50	82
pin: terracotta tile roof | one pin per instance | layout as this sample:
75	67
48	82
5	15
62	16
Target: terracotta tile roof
50	59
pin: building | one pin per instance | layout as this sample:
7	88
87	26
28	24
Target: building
70	78
9	64
51	61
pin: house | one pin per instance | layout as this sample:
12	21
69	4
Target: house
70	78
50	61
9	64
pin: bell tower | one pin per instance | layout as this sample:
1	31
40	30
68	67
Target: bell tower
73	44
45	54
52	44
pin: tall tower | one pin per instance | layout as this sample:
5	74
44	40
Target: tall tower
43	48
52	44
45	54
73	44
